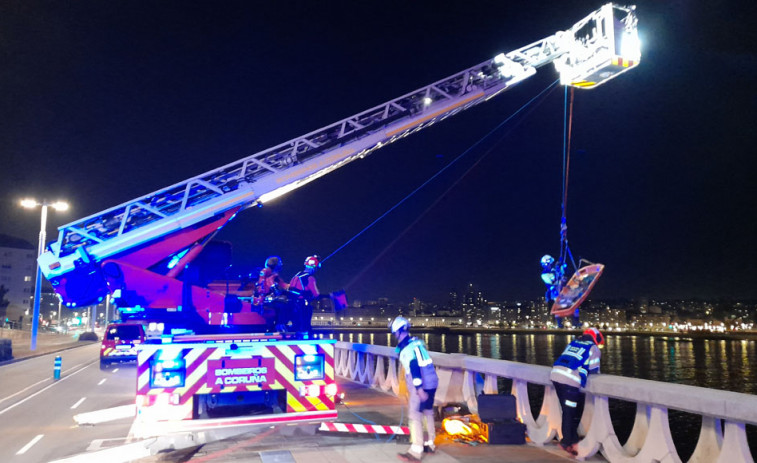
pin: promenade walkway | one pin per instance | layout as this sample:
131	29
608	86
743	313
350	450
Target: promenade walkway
300	444
46	343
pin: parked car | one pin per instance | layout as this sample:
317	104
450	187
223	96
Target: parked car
120	343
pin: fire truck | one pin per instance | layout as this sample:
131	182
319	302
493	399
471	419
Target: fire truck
218	364
210	381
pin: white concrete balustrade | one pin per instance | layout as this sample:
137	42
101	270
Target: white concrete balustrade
724	414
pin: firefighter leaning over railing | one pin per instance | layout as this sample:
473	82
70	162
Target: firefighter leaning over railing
569	374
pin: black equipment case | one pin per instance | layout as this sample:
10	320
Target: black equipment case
509	432
499	415
497	407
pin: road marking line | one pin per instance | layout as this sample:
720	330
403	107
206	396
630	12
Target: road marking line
29	445
38	382
42	390
115	370
24	389
78	403
101	381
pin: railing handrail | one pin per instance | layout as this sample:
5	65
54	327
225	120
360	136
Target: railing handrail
650	438
693	399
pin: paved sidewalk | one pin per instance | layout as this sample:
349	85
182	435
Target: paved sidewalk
46	343
301	444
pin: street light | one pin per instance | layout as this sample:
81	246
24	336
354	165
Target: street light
31	204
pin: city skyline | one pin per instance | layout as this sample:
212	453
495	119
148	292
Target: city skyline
450	303
109	103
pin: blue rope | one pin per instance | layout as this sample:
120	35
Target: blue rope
362	419
402	418
442	170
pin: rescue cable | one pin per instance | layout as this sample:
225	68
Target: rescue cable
570	295
567	136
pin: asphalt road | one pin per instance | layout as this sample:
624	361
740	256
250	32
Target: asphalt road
36	412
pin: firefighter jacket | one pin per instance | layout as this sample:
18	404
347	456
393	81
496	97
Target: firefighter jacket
304	285
577	362
269	284
419	368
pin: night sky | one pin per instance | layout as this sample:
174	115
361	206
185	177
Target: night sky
103	102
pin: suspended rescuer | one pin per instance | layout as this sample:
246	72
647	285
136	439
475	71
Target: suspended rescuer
421	379
303	287
569	374
553	275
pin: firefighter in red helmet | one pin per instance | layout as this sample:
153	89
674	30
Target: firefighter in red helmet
569	375
303	287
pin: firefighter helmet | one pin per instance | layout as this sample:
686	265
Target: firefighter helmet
398	324
313	261
274	263
596	335
265	272
547	260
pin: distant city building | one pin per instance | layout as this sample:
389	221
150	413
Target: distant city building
416	307
493	315
473	306
453	302
17	270
510	314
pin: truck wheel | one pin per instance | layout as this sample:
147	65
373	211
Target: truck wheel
104	365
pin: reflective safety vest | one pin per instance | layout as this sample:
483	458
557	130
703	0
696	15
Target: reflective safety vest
419	368
578	360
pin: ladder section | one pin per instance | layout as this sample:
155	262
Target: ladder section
288	165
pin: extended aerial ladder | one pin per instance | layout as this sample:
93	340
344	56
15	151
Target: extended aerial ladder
137	250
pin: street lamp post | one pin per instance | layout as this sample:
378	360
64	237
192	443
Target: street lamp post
30	204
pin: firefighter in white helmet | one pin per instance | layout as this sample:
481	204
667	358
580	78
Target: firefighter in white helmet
421	379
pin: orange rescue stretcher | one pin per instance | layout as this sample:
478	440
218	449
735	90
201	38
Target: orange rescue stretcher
576	290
